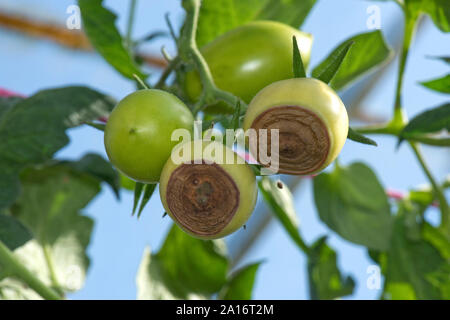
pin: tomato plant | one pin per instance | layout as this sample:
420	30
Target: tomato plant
238	65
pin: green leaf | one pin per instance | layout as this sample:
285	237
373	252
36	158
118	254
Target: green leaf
327	70
6	103
368	51
413	267
99	25
184	268
352	202
99	168
291	12
148	192
299	69
13	289
220	16
438	239
33	129
357	137
138	188
440	85
240	285
13	233
428	122
325	279
438	10
9	187
445	59
49	206
281	202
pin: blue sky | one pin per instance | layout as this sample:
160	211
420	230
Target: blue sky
28	65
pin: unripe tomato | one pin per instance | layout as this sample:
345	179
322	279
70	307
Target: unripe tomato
208	198
138	132
250	57
311	118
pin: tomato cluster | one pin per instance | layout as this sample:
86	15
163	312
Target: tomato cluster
211	199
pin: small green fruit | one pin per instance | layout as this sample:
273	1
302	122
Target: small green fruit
248	58
139	129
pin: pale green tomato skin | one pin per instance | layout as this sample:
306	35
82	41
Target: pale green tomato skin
250	57
138	132
242	175
311	94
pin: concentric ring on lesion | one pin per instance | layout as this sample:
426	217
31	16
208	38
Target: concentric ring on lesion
203	198
303	138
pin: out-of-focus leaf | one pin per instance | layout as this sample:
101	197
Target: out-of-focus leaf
33	129
414	267
438	10
445	59
438	239
6	103
220	16
184	268
13	289
368	51
428	122
49	206
99	168
440	85
281	203
13	233
325	279
240	284
357	137
99	25
352	202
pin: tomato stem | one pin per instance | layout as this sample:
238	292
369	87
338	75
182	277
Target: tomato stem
190	53
16	268
130	23
443	204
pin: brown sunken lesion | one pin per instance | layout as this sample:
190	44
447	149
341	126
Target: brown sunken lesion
203	198
303	138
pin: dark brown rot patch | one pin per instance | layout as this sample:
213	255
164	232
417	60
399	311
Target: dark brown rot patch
303	138
203	198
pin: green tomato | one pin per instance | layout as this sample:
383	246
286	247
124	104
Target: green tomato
250	57
311	119
126	182
205	195
138	132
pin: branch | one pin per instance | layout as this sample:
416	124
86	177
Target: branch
59	34
190	54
